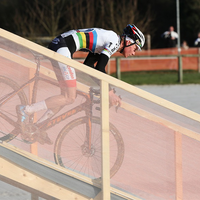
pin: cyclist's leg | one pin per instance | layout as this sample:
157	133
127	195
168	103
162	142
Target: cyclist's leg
67	80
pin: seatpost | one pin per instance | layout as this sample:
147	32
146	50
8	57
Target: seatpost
37	60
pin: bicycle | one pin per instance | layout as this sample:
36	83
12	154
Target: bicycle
84	130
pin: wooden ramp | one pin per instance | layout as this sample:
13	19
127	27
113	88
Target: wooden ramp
47	180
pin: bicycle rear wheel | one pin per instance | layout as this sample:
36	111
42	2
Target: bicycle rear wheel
71	149
8	116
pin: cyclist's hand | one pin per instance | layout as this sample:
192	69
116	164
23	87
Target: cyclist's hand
114	99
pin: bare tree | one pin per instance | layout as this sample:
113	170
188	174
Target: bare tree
53	17
81	14
41	17
102	13
124	12
25	25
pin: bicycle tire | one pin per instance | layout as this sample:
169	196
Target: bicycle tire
70	142
8	117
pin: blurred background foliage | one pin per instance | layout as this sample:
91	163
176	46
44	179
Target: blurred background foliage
49	18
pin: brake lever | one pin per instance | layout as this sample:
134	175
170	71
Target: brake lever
117	107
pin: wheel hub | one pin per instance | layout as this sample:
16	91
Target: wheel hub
86	151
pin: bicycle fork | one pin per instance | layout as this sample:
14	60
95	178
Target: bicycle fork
87	147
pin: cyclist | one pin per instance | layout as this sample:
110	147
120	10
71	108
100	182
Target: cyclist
101	44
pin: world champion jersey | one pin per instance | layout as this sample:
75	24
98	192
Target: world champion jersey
96	40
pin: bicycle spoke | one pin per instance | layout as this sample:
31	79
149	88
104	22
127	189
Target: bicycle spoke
8	119
73	152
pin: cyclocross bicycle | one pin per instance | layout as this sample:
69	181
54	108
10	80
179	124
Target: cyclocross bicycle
78	145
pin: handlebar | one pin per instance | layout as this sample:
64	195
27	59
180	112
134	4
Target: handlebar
96	92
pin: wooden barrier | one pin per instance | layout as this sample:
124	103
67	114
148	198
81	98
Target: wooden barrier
149	60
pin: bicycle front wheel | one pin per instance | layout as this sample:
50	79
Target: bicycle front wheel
72	150
8	102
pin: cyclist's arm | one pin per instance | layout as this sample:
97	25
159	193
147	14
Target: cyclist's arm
101	60
101	64
91	59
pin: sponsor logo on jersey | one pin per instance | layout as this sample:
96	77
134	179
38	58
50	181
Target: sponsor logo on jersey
110	44
115	48
56	41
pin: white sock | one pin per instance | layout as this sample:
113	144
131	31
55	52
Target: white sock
36	107
49	113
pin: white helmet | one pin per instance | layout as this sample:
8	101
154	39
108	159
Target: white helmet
132	32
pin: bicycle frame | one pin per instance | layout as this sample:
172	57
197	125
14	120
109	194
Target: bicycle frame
32	131
52	122
47	124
